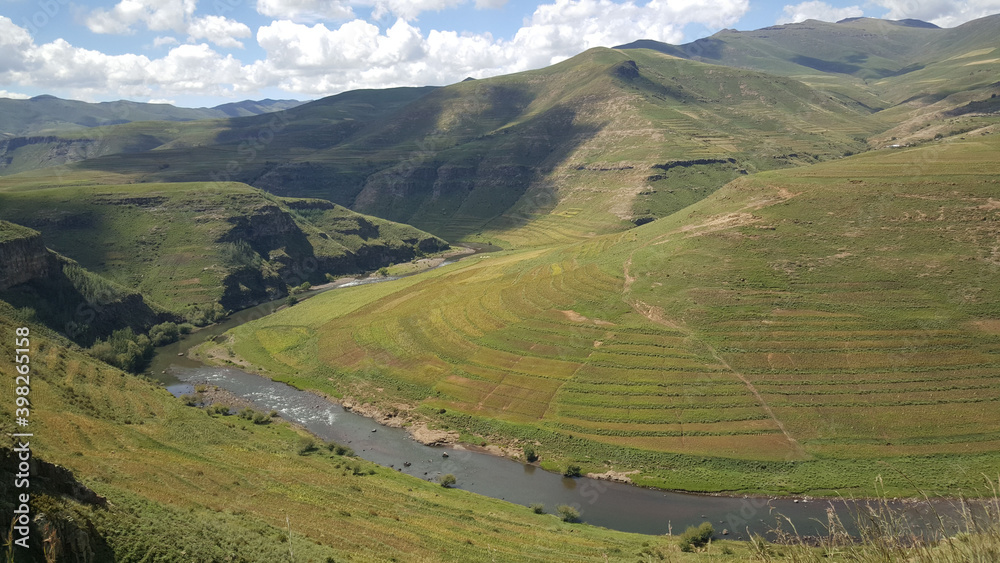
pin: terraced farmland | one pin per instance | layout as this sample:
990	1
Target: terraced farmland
814	318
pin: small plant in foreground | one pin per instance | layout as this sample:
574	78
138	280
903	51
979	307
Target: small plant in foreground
696	537
568	513
537	507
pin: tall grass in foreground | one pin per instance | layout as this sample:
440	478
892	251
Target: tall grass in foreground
968	533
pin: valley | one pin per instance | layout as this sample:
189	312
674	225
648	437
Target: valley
762	264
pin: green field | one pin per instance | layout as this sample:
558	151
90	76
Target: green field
796	332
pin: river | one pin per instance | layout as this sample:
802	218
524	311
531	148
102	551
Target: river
612	505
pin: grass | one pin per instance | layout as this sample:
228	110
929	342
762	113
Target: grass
222	486
799	331
189	245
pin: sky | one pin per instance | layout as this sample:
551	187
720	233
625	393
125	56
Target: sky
197	53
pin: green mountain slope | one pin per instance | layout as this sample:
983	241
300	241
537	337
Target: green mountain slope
199	247
496	154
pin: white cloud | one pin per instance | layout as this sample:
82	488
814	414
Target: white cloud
88	74
14	40
221	31
162	101
168	15
945	13
318	60
13	95
305	10
816	10
165	40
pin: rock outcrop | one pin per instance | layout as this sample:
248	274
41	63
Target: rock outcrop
23	256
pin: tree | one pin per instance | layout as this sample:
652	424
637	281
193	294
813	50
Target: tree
529	454
448	480
572	470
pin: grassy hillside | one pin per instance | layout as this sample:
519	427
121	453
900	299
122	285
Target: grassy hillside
796	331
185	486
189	247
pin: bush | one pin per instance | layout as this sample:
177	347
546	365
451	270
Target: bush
448	480
568	513
537	507
254	416
529	454
306	445
218	409
696	537
292	300
383	271
185	328
572	470
164	333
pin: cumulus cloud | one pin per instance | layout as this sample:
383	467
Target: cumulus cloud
318	60
164	40
88	74
816	10
945	13
168	15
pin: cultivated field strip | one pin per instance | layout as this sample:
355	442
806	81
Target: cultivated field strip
525	340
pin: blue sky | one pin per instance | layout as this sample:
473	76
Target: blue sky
207	52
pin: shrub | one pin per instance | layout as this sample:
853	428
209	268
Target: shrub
164	333
529	454
185	328
448	480
306	445
568	513
292	300
537	507
572	470
696	537
383	271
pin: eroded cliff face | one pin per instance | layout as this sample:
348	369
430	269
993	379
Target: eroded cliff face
22	260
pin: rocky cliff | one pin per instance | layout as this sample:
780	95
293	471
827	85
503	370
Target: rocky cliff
23	256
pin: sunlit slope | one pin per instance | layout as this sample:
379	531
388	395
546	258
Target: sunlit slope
815	318
859	298
185	486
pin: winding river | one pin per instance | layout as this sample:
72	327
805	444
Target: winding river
612	505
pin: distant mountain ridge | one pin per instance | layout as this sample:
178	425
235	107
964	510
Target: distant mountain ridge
47	113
